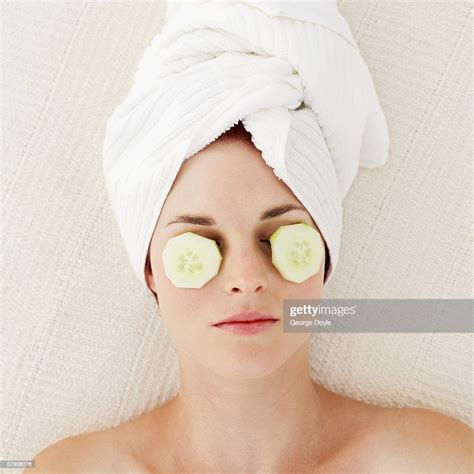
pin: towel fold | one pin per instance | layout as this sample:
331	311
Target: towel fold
290	71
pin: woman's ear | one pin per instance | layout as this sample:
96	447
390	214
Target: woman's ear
326	262
149	275
149	279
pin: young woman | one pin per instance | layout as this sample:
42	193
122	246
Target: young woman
247	402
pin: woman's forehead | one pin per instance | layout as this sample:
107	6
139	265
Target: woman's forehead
229	175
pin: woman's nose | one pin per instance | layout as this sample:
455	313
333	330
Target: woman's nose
245	270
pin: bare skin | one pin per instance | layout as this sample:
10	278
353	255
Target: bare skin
361	438
247	404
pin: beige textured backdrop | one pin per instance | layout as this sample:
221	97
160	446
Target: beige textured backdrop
82	344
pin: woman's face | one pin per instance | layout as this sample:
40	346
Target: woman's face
230	183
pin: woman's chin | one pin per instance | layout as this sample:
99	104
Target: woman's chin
247	364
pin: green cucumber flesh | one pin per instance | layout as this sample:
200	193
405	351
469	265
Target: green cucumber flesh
191	260
297	251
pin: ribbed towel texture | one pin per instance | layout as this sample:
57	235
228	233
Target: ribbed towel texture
291	72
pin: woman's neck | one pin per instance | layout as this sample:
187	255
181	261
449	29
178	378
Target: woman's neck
247	425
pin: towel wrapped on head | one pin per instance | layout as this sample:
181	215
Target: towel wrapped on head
291	72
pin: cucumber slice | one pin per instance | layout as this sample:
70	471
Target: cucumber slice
297	251
191	260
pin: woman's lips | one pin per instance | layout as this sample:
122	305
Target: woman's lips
247	327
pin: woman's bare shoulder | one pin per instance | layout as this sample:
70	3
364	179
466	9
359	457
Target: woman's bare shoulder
116	449
99	451
420	439
387	440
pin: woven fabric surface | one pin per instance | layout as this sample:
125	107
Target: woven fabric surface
83	347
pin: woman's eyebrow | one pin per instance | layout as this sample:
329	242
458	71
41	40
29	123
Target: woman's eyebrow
209	221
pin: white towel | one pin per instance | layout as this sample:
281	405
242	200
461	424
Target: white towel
290	71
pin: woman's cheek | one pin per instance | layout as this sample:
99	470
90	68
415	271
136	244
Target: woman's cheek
308	289
186	305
